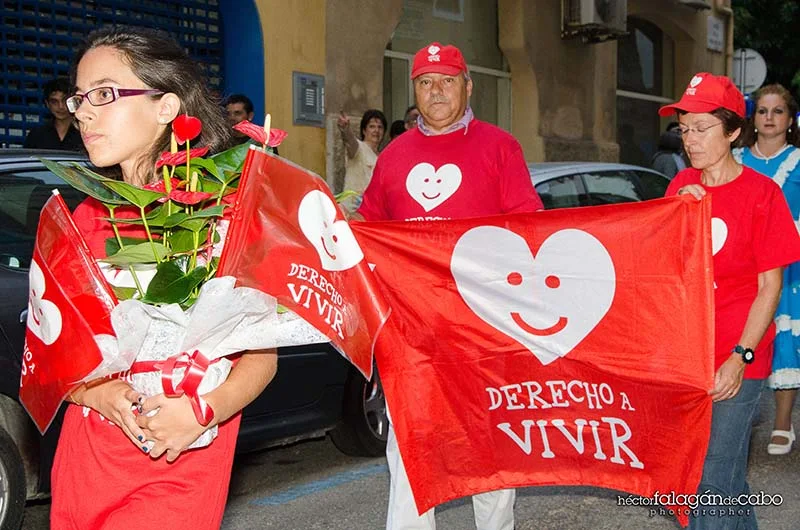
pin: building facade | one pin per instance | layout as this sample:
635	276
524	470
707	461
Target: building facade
570	98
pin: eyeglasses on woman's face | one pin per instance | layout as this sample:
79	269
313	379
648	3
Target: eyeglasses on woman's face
700	130
104	95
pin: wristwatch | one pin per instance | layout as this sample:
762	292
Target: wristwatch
747	354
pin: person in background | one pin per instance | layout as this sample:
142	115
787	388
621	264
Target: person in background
131	83
410	119
362	153
771	143
669	160
238	108
58	131
493	179
398	127
756	237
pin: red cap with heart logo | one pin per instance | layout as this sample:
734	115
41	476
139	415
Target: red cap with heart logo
707	92
438	59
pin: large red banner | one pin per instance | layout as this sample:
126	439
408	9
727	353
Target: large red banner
69	306
288	238
568	347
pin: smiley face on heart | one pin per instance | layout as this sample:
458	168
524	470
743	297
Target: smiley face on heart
44	317
548	303
334	241
430	187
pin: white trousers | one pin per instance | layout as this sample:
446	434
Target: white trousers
494	510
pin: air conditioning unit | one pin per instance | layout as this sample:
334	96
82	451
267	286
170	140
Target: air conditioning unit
594	20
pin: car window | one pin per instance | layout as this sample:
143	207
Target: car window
562	192
653	186
22	195
611	187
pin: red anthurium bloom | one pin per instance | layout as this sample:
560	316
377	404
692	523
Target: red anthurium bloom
276	136
159	185
179	158
230	198
189	197
186	127
257	133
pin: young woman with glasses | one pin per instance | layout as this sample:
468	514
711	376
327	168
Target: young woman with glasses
130	85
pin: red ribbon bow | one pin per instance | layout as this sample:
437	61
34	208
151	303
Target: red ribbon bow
196	366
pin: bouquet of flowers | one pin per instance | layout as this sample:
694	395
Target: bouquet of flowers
176	321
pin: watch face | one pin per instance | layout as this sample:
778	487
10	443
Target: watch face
748	356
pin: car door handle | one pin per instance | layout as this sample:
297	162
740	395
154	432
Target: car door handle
23	316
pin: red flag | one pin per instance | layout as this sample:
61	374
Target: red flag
289	239
69	303
568	347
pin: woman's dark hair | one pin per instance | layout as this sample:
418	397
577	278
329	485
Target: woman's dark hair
398	127
161	63
370	114
749	134
730	120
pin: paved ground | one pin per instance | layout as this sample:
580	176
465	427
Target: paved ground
310	486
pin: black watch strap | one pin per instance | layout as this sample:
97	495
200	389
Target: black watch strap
748	356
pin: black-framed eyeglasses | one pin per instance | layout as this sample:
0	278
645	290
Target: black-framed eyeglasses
104	95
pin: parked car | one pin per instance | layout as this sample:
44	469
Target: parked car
316	391
570	184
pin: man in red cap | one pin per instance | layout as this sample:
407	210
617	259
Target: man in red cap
450	166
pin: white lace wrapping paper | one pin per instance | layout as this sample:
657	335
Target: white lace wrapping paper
224	320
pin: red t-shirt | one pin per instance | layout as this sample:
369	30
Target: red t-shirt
471	172
753	232
101	480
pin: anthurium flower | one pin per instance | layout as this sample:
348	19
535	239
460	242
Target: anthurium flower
189	197
159	185
186	127
179	158
257	133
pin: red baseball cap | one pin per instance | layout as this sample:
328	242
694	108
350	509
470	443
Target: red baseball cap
438	59
707	92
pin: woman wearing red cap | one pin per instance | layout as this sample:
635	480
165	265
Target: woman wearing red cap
753	237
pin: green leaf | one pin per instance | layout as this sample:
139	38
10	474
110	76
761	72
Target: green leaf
181	241
197	220
206	164
137	196
155	217
112	246
124	293
230	162
175	219
346	194
80	178
141	253
171	286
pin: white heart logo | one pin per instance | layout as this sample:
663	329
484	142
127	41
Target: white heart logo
431	187
696	80
549	303
433	50
334	241
44	317
719	234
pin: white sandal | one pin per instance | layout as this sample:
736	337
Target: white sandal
782	449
